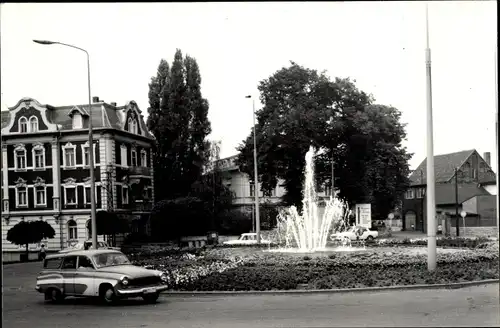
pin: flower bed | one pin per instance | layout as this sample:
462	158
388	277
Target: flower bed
375	267
253	269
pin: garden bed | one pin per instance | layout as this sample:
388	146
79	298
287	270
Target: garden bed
226	269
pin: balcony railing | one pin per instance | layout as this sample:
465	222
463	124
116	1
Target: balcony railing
139	170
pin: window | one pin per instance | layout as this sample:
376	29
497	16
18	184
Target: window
72	230
40	196
84	262
69	262
87	195
39	156
124	195
410	194
23	125
20	159
134	157
53	263
21	196
132	126
482	167
69	155
77	121
144	158
252	190
123	153
420	192
33	124
70	195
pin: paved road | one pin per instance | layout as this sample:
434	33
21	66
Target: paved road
468	307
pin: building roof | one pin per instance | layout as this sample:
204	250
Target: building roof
445	192
103	116
444	165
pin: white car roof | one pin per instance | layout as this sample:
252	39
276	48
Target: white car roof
89	252
249	234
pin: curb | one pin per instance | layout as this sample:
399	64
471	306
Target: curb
332	291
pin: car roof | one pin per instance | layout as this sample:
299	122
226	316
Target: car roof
248	234
82	252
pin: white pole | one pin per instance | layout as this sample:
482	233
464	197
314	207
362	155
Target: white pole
496	140
431	192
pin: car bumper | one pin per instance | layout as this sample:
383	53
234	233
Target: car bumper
140	291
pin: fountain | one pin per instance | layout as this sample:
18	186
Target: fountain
310	231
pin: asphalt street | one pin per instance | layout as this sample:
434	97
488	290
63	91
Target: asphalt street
466	307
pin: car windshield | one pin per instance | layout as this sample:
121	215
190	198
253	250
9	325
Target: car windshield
110	259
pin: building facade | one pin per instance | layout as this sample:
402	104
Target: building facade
476	189
45	167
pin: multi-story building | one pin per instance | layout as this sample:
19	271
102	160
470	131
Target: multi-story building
244	189
45	167
476	190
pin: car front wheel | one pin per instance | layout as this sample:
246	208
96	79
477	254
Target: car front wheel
54	295
107	294
151	299
370	238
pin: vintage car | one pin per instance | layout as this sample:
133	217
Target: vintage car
103	273
247	239
356	233
85	245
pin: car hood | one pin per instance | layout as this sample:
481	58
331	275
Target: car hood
231	242
130	271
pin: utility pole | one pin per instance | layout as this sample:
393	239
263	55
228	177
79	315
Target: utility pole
333	177
496	142
457	219
431	186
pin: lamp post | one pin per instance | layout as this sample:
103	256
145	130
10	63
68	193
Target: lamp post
496	142
256	175
91	143
431	187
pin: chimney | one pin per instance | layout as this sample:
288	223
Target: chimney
95	99
113	104
487	158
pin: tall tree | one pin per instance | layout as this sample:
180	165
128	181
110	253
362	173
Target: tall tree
303	107
178	120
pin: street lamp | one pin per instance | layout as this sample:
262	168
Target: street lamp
91	144
431	187
256	175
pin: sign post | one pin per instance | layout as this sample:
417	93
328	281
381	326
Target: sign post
364	215
463	214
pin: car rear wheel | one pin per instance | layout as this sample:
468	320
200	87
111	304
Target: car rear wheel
151	299
370	238
54	295
107	294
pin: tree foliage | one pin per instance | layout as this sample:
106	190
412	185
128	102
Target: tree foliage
29	232
302	107
108	223
178	120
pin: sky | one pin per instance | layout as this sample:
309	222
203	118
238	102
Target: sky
379	44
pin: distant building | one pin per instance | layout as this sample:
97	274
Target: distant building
45	168
244	190
476	190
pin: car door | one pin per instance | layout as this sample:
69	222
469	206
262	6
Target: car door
364	233
68	271
84	282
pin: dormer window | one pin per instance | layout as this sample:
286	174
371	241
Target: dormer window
23	125
132	125
33	124
77	121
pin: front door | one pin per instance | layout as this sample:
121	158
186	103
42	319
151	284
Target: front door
410	221
68	271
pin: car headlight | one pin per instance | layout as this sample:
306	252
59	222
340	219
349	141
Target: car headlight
163	277
124	281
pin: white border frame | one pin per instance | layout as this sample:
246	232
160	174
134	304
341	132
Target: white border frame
68	145
38	146
84	159
30	129
70	183
17	148
39	183
21	183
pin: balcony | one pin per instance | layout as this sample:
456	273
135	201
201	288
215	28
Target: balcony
139	170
